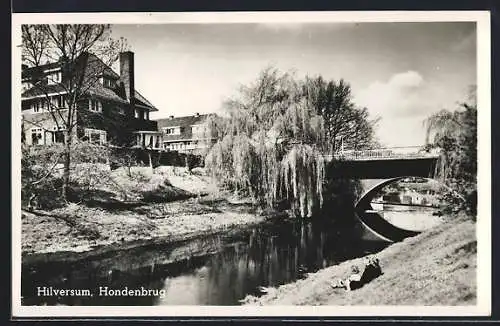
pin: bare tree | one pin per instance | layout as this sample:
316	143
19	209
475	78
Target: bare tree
84	53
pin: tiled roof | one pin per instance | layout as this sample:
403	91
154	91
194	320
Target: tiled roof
26	72
98	89
182	121
35	91
142	100
185	123
106	94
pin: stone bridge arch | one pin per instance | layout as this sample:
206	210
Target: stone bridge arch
372	220
376	169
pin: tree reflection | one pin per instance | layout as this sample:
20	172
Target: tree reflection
226	270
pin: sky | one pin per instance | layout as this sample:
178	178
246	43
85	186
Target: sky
402	72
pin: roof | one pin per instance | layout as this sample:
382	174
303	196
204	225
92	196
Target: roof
26	72
143	101
186	122
182	121
117	94
35	91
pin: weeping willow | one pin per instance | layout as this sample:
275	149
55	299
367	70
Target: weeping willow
268	144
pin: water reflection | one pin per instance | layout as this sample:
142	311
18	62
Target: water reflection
215	270
414	218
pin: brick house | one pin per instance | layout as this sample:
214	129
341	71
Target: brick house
110	110
187	134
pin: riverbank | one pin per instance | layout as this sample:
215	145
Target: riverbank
175	204
437	267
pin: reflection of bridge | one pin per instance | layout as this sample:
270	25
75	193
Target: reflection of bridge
377	168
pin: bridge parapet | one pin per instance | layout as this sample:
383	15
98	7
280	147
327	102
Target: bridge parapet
393	153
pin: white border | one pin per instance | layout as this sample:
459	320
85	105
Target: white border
483	306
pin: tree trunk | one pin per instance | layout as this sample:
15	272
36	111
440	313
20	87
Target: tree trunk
67	163
150	162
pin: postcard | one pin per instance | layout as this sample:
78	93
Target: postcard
246	164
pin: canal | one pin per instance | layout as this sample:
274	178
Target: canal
219	269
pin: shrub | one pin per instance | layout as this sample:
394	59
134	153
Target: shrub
40	181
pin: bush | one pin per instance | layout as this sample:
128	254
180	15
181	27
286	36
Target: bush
40	181
140	175
41	173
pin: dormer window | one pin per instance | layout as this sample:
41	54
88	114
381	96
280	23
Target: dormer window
95	105
171	130
54	78
107	82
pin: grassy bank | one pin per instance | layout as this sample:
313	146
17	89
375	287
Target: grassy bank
171	203
437	267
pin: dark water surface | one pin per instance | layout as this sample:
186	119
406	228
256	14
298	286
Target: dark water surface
212	270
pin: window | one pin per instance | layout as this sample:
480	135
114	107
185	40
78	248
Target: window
107	82
95	136
37	136
42	104
171	130
57	102
58	137
36	106
54	78
146	115
95	105
168	131
139	114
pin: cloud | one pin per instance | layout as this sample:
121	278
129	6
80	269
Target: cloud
402	102
400	96
407	79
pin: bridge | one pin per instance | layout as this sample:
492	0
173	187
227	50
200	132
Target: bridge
375	169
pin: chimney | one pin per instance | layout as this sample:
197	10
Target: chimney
127	77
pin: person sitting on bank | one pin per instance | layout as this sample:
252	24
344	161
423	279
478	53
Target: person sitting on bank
357	279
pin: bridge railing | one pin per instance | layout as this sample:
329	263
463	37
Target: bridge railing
385	153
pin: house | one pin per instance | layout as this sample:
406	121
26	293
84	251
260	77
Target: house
187	134
110	109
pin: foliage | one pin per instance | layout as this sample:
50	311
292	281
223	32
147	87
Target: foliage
83	52
41	173
345	124
455	134
40	184
271	140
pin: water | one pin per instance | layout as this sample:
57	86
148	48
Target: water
414	218
213	270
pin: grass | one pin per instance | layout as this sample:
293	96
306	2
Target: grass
437	267
171	202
